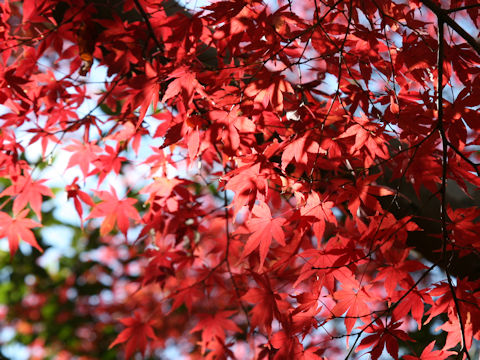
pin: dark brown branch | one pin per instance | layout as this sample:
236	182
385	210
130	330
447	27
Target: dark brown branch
463	349
466	7
146	17
443	16
443	188
441	130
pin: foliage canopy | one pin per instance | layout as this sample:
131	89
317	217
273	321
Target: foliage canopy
255	179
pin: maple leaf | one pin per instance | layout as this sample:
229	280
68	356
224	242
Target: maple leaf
454	331
193	144
429	354
230	125
383	337
268	304
463	226
321	42
288	346
184	84
18	228
399	274
150	92
158	161
45	138
354	303
364	132
299	149
115	211
363	194
74	192
323	265
247	182
161	189
105	163
305	321
321	211
136	334
306	301
269	89
31	10
27	191
83	155
264	228
444	300
189	293
413	302
219	350
213	327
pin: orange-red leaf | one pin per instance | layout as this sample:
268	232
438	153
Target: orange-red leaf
214	327
135	335
18	228
115	211
27	191
264	228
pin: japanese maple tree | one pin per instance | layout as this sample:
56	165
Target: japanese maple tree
288	179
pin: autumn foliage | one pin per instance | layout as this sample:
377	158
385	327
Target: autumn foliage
250	179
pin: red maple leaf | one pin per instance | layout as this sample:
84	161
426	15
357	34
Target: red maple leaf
288	346
354	303
413	302
115	211
219	350
363	195
269	89
383	337
399	274
27	191
429	354
307	301
299	148
249	182
150	91
135	335
184	85
18	228
83	155
264	228
453	329
189	293
323	265
268	304
230	125
214	326
321	211
106	163
74	192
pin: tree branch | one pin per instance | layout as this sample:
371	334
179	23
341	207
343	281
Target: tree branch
159	44
443	188
443	16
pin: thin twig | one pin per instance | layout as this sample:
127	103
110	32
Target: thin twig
227	250
466	159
